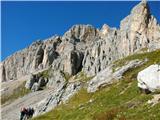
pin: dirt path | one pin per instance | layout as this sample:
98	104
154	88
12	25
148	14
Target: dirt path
12	111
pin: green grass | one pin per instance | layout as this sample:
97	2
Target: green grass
120	101
81	76
17	92
45	73
66	75
153	57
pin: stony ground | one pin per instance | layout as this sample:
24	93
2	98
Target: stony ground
12	111
8	87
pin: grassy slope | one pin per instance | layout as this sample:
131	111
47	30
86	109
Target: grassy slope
120	101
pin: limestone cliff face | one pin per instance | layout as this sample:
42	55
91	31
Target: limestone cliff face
102	52
137	31
86	48
30	59
61	53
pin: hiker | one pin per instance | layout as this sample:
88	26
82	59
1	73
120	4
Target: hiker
30	112
23	113
26	113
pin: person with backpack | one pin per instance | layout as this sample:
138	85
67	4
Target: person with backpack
23	113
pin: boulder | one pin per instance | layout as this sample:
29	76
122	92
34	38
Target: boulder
149	78
30	82
35	87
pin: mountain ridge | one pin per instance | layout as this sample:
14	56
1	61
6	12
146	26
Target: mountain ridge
80	43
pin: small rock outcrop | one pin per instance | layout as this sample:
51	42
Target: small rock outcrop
108	76
60	95
56	80
36	82
35	87
30	82
149	78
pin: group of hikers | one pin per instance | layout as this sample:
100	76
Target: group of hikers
26	113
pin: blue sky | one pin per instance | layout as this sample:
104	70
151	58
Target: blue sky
25	22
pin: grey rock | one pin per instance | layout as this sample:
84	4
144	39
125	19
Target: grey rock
50	53
35	82
139	28
60	95
102	78
101	53
35	87
149	78
137	31
51	101
154	45
56	80
38	57
87	48
73	63
81	33
2	73
12	111
108	76
31	59
30	82
70	90
132	64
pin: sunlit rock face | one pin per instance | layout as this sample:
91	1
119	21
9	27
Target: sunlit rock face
85	48
139	30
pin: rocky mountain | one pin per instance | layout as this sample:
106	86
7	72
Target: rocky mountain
86	48
60	62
